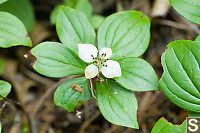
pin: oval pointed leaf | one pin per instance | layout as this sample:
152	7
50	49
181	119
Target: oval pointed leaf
68	97
137	75
12	31
5	88
73	28
118	105
85	7
163	126
181	78
127	33
54	15
22	9
55	60
81	5
190	9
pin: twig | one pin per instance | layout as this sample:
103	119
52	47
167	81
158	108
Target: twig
18	105
36	77
49	92
172	24
92	89
181	19
193	26
88	122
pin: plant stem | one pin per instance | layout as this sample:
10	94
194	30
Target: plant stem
91	89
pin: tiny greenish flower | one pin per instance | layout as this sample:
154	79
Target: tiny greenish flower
100	61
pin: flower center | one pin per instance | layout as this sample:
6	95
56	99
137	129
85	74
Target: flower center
100	61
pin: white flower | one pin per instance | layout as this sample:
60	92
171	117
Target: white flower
89	54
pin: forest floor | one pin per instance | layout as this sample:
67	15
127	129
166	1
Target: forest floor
34	92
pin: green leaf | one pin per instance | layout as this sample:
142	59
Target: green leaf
73	28
86	95
2	1
71	3
1	67
54	15
12	31
190	9
5	88
137	75
118	105
55	60
21	9
67	97
163	126
197	38
96	21
84	6
127	33
181	78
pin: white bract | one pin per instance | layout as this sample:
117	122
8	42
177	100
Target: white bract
100	63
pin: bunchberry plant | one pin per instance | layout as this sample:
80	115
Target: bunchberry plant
106	67
180	81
